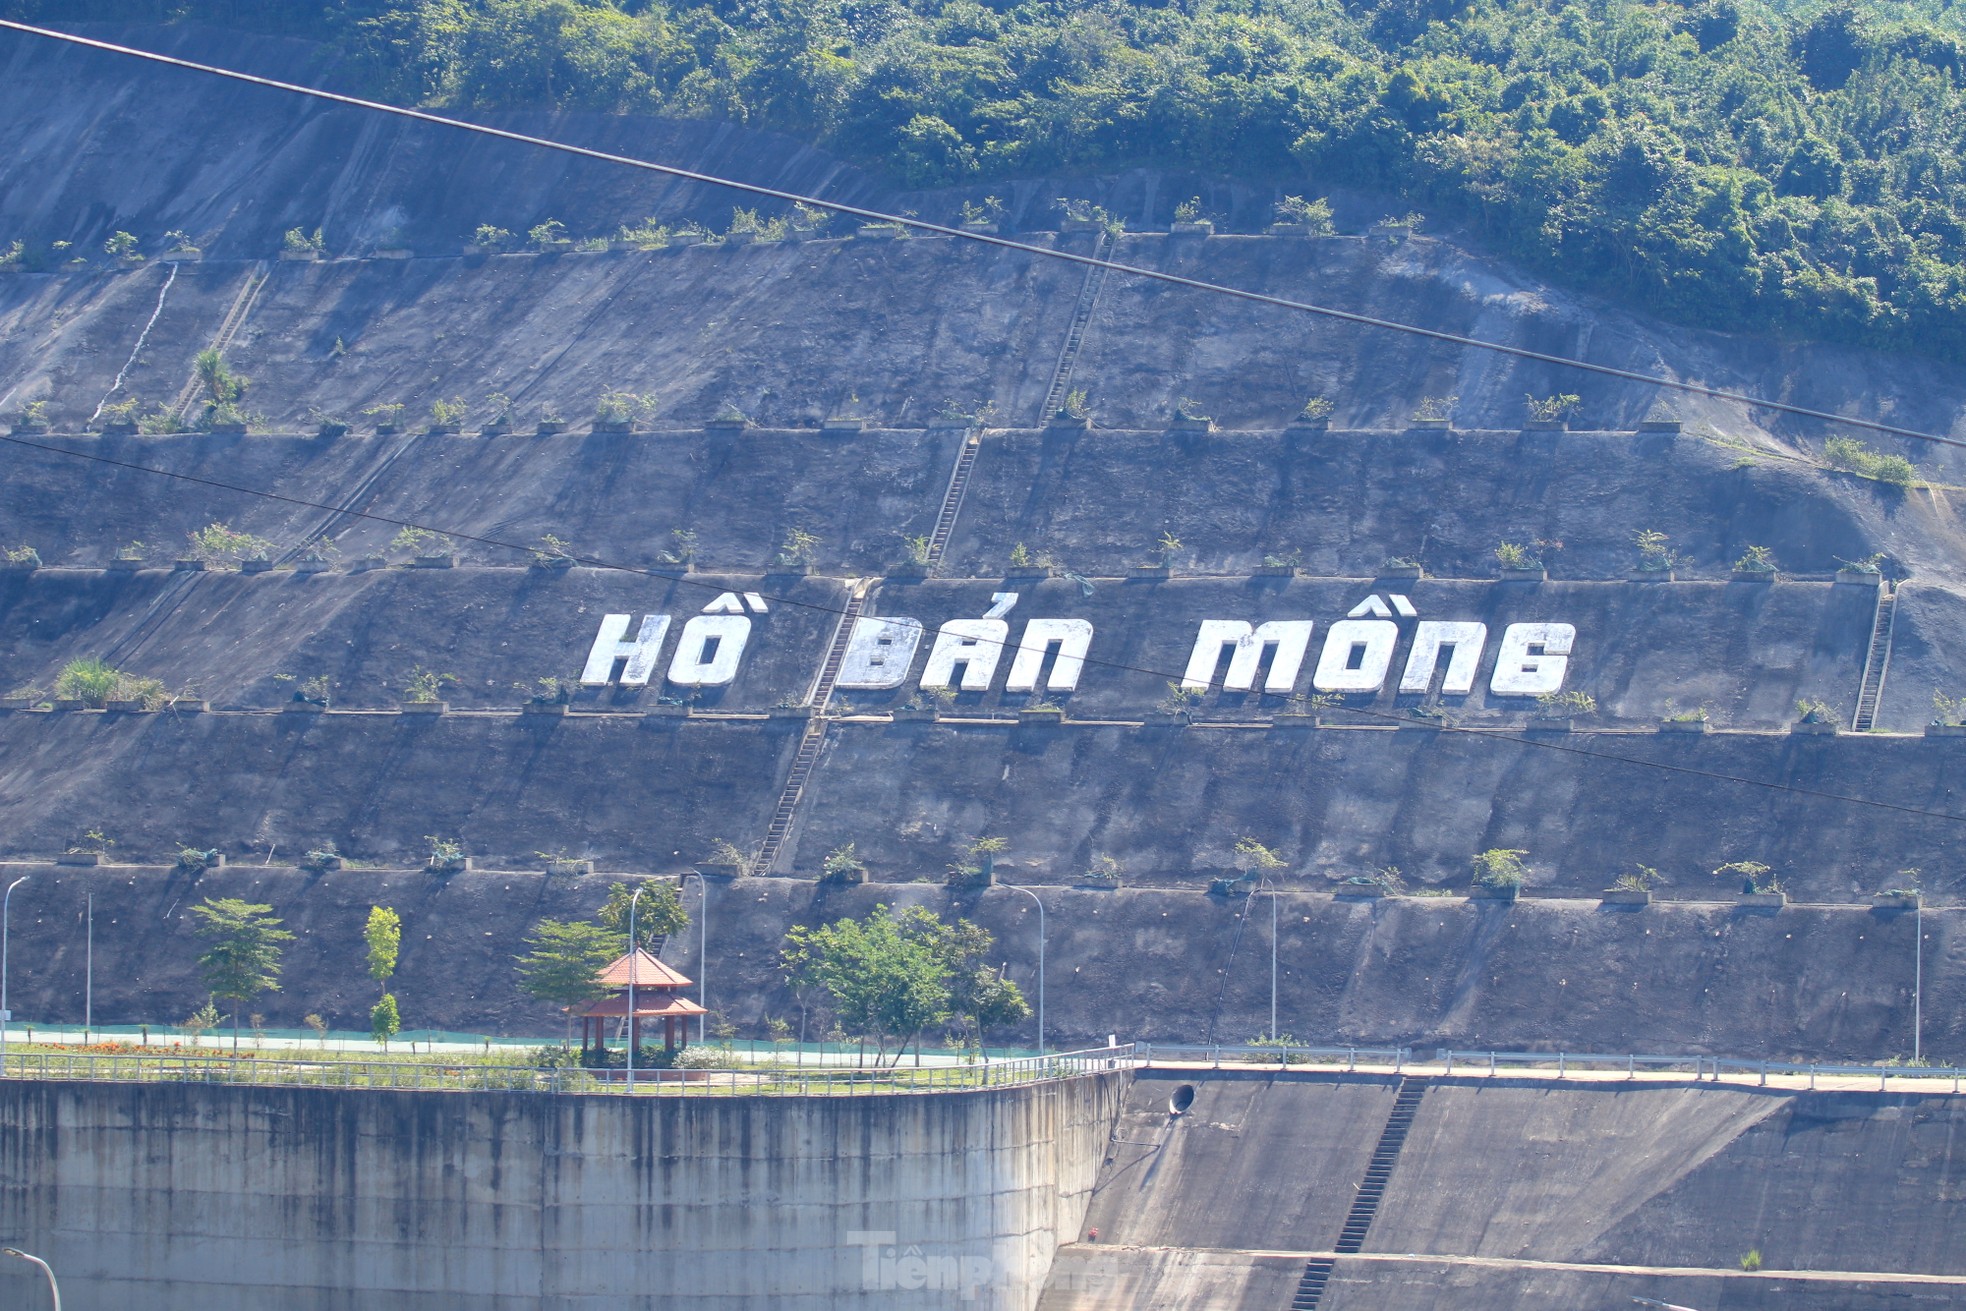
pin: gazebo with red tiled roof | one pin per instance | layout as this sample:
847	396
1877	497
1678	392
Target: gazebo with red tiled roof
658	995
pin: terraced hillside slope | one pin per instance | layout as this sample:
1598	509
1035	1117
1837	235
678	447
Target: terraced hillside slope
835	468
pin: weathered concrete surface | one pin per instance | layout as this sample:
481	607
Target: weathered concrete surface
190	1198
506	785
1654	1184
1170	803
1808	983
616	498
1342	502
1100	1277
231	637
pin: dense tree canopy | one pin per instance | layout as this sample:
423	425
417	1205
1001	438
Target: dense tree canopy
1735	163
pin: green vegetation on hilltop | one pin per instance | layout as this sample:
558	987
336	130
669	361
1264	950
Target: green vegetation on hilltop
1728	163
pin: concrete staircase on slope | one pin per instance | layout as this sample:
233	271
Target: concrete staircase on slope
1371	1190
783	815
1876	661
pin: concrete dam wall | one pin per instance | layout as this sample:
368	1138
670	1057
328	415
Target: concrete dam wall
185	1197
1528	1195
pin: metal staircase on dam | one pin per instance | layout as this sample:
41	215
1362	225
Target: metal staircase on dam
952	499
1371	1190
1061	376
1876	661
228	328
815	736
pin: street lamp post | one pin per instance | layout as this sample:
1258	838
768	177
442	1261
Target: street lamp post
1040	905
6	1016
1273	958
46	1269
634	952
702	951
1918	983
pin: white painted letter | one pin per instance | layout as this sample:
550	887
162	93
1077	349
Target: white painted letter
709	649
1074	638
1519	671
1213	635
879	652
1371	640
975	644
640	654
1291	637
1429	637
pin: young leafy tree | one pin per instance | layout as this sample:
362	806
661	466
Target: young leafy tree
566	957
383	935
885	984
243	958
979	997
660	914
384	1022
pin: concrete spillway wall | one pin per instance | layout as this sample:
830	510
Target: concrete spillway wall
1522	1195
235	1199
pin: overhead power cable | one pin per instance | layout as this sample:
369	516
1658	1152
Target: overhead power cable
1357	713
989	239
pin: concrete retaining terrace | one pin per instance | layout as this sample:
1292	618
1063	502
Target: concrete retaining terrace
183	1197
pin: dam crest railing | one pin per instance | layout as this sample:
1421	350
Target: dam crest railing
292	1070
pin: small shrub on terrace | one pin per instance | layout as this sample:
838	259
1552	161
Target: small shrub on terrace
1945	709
488	235
1813	711
842	863
1549	409
619	407
990	211
1316	213
300	243
1514	556
1853	456
1501	867
120	413
800	547
1757	560
420	542
1567	703
220	544
1655	553
121	245
425	686
546	235
96	682
1317	409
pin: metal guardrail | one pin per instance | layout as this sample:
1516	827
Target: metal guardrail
1447	1062
1701	1067
283	1071
1348	1058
